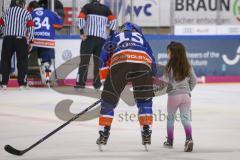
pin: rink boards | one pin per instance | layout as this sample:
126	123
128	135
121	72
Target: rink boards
214	58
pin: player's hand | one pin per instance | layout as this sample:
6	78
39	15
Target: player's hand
238	18
30	47
83	37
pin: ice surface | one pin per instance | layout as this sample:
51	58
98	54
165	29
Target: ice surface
26	116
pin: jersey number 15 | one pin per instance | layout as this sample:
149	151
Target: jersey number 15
134	36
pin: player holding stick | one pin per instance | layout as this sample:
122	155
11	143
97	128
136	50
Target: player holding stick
127	58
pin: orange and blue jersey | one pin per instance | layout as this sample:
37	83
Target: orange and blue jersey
130	47
45	23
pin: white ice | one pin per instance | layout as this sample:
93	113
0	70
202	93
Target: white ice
26	116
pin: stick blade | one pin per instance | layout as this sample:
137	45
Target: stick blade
13	151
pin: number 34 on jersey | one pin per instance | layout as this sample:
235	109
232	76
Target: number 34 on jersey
45	23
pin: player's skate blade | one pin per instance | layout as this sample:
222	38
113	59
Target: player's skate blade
101	143
146	147
48	85
103	137
146	137
100	148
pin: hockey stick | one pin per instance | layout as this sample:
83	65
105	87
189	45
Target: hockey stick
55	73
17	152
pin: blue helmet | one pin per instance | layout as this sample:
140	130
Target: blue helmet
128	26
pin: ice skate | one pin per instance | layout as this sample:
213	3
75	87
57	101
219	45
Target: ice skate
146	137
78	86
103	138
168	143
97	86
24	87
48	74
3	87
48	83
188	147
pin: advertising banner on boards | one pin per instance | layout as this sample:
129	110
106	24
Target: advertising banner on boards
206	12
206	17
143	12
209	55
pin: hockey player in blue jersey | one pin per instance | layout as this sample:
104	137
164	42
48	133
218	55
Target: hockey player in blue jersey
45	22
127	57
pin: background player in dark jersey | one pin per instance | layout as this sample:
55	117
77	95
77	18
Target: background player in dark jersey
45	22
131	60
94	19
